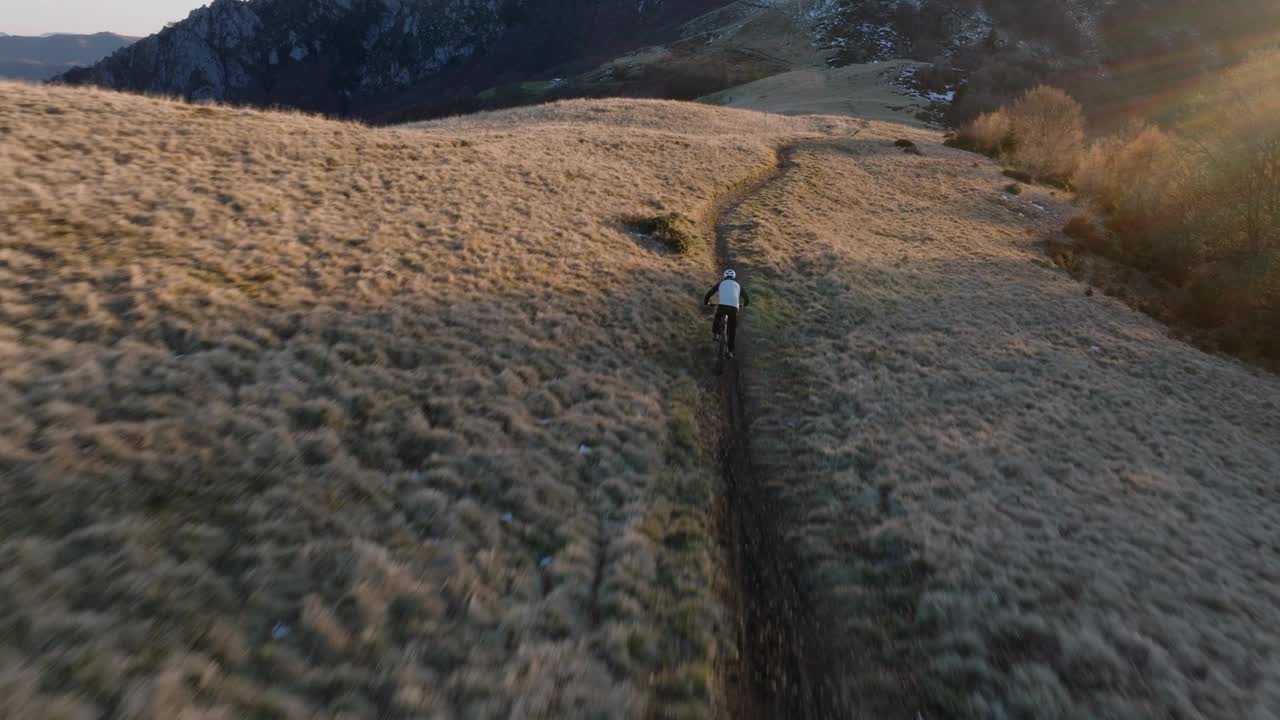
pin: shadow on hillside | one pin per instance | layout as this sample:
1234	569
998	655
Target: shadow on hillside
976	400
269	486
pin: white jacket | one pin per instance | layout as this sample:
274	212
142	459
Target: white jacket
731	294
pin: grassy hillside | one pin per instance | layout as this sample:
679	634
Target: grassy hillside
863	91
302	417
1016	498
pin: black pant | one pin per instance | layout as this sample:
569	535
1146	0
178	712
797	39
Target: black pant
730	313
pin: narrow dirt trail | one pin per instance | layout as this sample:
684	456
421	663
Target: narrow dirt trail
782	669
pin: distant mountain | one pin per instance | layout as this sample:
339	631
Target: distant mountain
40	58
365	57
1121	57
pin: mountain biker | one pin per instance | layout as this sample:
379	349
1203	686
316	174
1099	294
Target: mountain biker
731	294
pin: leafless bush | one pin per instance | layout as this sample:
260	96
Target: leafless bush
1143	181
1200	207
1048	127
1244	150
989	133
1041	134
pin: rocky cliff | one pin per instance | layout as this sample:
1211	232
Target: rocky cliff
342	56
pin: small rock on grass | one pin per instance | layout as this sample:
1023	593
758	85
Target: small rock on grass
908	147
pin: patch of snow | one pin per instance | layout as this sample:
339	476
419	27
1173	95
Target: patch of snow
905	82
819	11
972	30
883	38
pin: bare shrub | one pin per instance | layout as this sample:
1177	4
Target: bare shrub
1042	134
1200	207
989	133
1243	150
1252	181
1144	183
1048	126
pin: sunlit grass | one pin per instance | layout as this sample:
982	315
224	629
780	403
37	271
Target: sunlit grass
300	417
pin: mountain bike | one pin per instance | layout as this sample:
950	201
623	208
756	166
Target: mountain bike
722	342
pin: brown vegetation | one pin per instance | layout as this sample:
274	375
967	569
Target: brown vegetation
1041	134
303	418
1198	208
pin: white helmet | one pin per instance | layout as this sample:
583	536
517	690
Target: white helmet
729	274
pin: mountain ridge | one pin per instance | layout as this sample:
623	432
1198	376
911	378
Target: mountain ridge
36	58
338	56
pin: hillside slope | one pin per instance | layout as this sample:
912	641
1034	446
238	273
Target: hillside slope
301	417
1015	499
862	91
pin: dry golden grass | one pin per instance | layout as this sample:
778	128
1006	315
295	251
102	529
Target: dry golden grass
1018	501
303	418
861	91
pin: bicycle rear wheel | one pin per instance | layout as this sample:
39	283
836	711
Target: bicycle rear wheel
722	347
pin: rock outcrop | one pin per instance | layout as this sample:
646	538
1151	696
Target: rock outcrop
341	56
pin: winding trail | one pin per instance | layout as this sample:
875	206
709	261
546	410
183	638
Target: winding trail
782	669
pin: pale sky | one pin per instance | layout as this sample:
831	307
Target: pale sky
126	17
